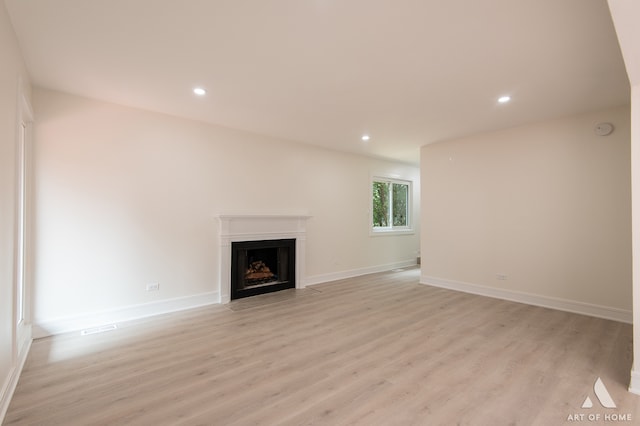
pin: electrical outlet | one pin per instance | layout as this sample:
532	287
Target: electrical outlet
501	276
153	287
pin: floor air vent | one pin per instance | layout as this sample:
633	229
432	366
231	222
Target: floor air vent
96	330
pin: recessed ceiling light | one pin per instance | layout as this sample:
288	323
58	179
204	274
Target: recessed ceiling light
504	99
199	91
365	137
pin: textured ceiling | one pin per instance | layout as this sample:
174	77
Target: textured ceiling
407	72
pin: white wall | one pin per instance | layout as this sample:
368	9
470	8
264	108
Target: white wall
547	204
12	75
125	197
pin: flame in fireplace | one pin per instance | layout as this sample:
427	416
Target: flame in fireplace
258	273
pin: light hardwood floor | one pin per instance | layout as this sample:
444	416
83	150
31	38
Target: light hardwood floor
375	350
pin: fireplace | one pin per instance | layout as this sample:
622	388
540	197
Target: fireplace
259	267
248	228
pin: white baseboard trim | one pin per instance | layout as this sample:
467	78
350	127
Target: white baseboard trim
334	276
634	384
43	328
49	327
9	386
599	311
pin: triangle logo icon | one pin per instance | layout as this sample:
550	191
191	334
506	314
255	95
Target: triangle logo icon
602	394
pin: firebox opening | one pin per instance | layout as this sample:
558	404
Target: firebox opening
261	267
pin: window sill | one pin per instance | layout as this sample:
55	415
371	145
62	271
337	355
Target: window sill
390	232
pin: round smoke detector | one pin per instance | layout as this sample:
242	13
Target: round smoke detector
603	129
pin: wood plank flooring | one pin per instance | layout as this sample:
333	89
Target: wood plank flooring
380	349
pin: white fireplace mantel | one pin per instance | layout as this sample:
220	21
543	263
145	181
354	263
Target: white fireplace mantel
244	227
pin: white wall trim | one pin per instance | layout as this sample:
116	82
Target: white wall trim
634	384
333	276
567	305
50	327
43	328
10	384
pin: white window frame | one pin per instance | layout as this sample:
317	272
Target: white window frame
391	230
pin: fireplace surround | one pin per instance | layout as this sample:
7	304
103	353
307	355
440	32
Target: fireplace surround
238	228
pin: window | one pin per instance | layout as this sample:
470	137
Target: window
391	205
